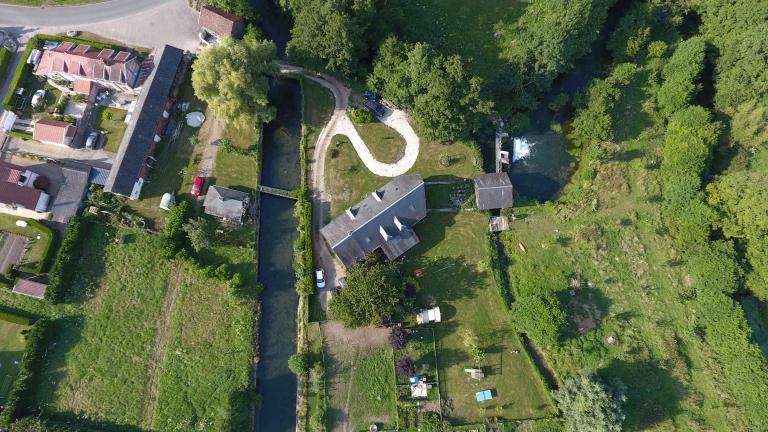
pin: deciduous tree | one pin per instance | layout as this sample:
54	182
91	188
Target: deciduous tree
233	78
588	405
372	295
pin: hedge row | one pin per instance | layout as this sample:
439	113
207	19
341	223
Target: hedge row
504	290
5	62
22	393
303	263
21	72
63	271
682	76
49	246
22	135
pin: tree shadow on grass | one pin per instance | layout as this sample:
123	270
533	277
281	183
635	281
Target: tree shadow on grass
65	333
653	394
91	265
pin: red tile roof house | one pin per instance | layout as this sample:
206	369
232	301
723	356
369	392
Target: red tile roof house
219	23
50	131
119	71
18	195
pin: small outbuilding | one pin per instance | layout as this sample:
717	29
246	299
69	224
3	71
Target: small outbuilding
227	204
426	316
219	23
30	288
493	191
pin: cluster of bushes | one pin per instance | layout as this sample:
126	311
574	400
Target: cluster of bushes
63	271
5	62
21	396
361	116
444	99
35	424
682	75
303	262
226	146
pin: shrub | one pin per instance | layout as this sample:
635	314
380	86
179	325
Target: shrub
372	295
174	229
21	395
539	316
398	338
63	271
361	116
588	405
681	76
298	364
405	367
81	98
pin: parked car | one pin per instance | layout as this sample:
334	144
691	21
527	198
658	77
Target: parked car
38	98
197	186
375	108
320	278
371	95
92	140
73	33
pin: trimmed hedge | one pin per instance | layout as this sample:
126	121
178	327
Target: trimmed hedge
22	393
5	62
22	135
63	271
49	246
16	319
21	72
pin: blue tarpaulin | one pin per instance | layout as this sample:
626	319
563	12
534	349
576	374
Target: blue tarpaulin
483	395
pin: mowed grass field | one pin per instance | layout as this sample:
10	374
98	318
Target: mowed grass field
146	343
12	343
454	257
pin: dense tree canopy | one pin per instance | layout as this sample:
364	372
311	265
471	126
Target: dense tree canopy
339	35
371	296
682	76
546	41
445	101
588	405
233	78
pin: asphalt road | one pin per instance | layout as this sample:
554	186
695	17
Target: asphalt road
57	16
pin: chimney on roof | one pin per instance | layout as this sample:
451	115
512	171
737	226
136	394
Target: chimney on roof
352	213
398	224
384	233
377	195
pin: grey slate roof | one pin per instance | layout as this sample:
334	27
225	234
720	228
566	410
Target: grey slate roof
70	196
139	134
384	223
493	191
226	203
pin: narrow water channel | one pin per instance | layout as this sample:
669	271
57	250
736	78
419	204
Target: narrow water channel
277	332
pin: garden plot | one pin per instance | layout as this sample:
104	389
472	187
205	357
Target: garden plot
360	377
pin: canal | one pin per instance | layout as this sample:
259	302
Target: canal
277	332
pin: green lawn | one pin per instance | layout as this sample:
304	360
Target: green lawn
99	364
366	390
38	239
234	170
453	254
318	108
207	361
385	144
12	343
111	121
